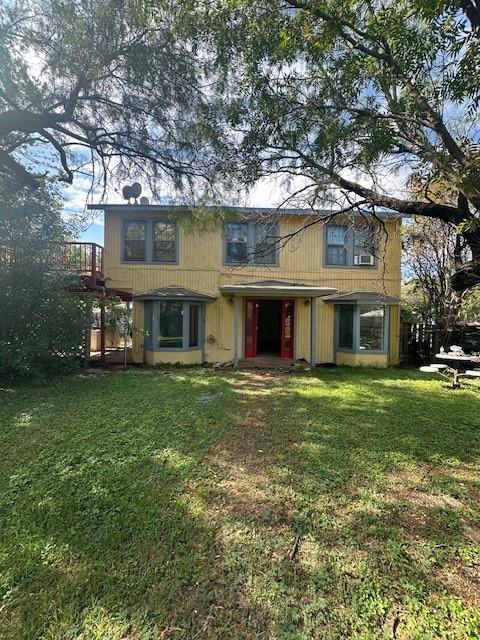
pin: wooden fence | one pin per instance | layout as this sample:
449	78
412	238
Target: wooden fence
420	342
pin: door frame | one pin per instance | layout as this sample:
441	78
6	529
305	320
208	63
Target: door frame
253	352
283	352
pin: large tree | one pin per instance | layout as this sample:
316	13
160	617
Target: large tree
95	83
42	322
334	94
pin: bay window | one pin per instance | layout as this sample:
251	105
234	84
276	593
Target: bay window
345	326
361	327
172	325
372	327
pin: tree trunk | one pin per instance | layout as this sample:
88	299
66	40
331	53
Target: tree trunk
467	275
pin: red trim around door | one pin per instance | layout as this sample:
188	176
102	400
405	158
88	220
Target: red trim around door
251	328
288	328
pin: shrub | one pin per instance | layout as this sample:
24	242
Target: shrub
42	317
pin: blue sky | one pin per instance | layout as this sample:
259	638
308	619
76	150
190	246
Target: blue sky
94	232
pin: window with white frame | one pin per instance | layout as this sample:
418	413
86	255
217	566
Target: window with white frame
251	242
361	327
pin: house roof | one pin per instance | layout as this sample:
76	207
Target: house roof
175	293
362	296
240	211
276	287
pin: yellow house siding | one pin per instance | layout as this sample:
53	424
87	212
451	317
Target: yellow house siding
138	336
362	359
200	267
201	262
325	331
173	357
394	351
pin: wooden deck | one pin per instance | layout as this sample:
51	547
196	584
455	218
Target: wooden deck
271	362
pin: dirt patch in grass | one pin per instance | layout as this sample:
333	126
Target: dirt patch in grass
181	508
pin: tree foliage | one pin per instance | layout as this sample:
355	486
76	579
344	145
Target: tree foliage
41	324
95	86
335	94
431	249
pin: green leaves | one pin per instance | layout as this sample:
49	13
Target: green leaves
41	324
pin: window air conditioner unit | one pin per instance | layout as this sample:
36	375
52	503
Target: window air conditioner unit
365	259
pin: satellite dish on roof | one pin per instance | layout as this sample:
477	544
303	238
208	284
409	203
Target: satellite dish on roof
132	191
144	200
136	190
127	192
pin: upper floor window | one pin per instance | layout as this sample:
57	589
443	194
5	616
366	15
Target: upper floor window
251	242
337	242
350	246
164	236
364	247
236	237
152	240
134	240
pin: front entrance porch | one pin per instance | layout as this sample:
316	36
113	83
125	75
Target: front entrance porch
270	321
269	328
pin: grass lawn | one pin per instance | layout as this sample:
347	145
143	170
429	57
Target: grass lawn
151	504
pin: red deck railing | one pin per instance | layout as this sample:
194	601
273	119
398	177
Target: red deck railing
85	258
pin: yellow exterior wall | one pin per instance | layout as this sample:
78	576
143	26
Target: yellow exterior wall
201	268
394	352
173	357
362	359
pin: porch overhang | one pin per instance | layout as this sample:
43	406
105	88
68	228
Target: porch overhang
276	289
366	297
175	293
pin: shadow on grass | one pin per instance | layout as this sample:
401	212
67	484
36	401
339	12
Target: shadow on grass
332	451
166	505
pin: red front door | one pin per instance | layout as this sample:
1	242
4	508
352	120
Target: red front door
288	322
251	328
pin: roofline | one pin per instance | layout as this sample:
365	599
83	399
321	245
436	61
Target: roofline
265	211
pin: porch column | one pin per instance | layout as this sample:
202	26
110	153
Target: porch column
102	334
313	332
236	322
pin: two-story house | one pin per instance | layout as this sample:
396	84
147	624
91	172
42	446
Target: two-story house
263	282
